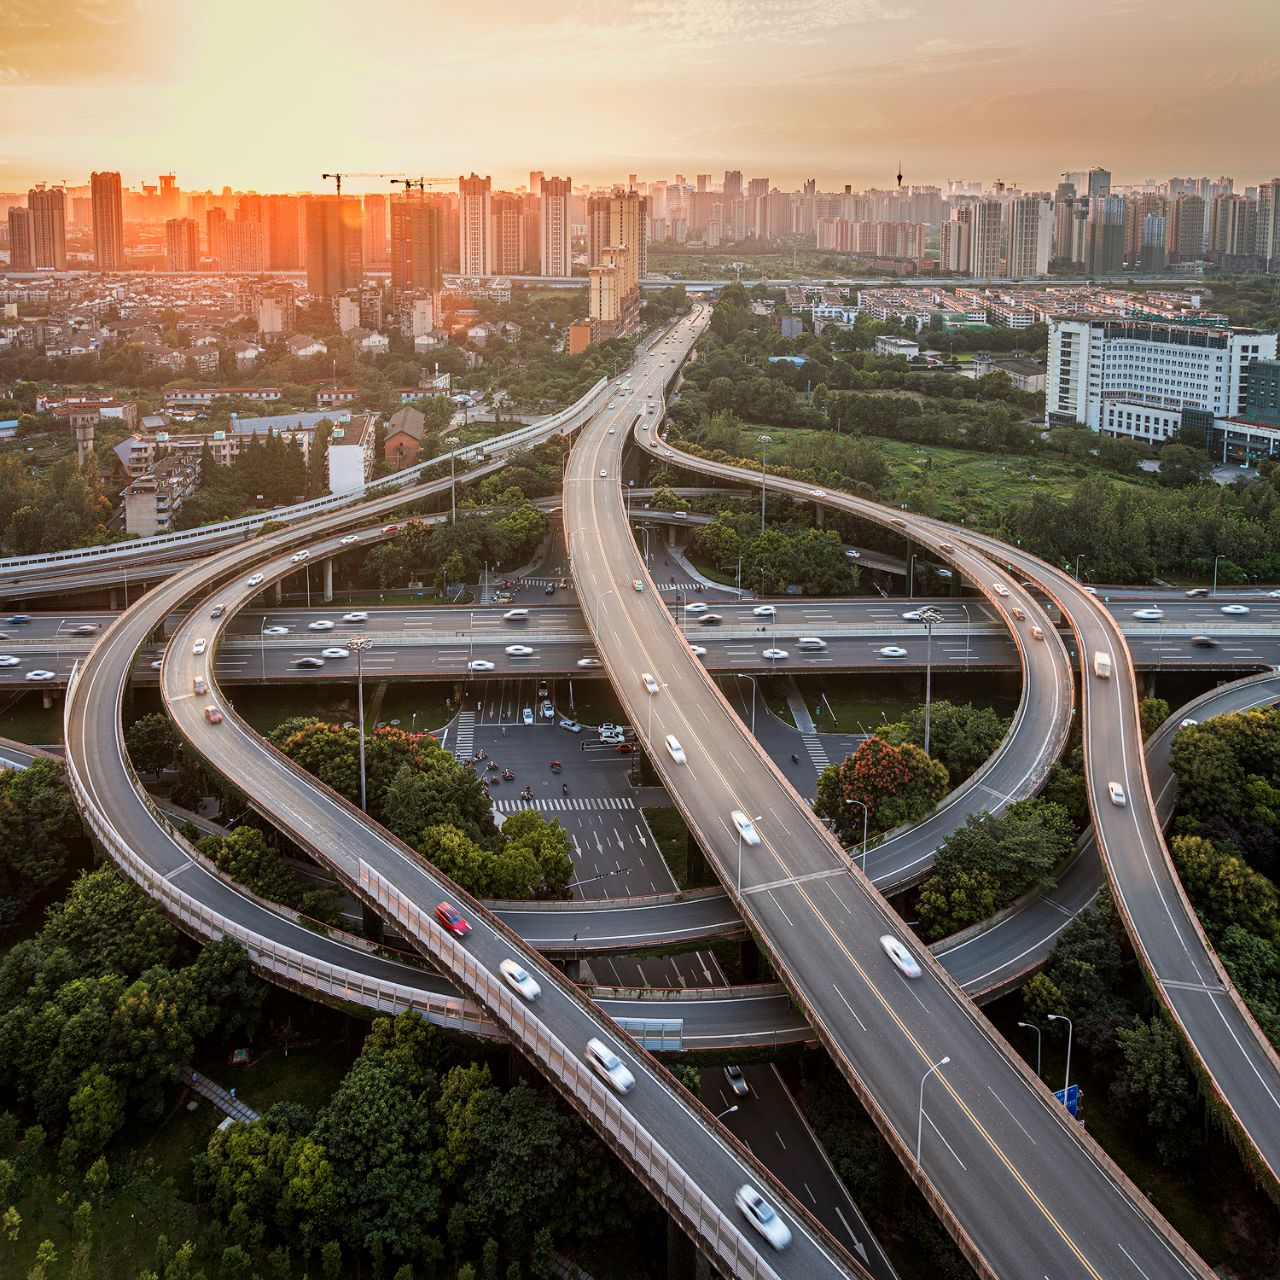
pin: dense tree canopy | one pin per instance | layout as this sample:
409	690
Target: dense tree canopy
38	826
961	736
897	784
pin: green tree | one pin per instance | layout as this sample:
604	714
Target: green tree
152	742
1154	712
897	784
961	736
1181	466
38	825
1224	888
97	1113
247	858
1155	1085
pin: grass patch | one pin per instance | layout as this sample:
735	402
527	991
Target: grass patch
673	839
27	721
864	701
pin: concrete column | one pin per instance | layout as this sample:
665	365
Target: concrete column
680	1253
46	698
114	604
328	580
750	960
822	517
279	591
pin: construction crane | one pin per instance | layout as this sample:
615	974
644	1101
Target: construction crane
338	177
423	183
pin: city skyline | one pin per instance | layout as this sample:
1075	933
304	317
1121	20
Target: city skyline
843	92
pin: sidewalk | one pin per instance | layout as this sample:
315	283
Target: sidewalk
676	555
799	711
220	1098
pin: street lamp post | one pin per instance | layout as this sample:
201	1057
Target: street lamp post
599	601
1066	1084
1214	592
1031	1026
942	1062
452	441
740	676
865	817
765	442
1078	559
728	1111
911	575
930	617
968	627
358	645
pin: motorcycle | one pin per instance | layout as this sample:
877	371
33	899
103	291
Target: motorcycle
564	788
795	759
508	775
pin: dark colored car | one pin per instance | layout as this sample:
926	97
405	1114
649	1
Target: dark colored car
737	1081
711	620
550	589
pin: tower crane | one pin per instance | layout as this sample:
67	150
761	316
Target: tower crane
338	177
423	183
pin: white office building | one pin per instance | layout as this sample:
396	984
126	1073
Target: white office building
1134	378
351	453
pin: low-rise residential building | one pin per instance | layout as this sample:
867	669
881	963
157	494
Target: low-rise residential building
303	346
888	344
152	502
203	397
368	342
352	452
329	396
402	439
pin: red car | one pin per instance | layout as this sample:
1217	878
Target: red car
213	715
391	528
452	920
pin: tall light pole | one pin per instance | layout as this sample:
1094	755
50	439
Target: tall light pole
930	617
968	627
1031	1026
599	601
865	817
942	1062
358	645
1066	1084
1214	592
1078	559
765	442
728	1111
453	482
911	575
740	676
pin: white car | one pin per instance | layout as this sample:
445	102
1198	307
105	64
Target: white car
746	828
700	606
299	556
157	663
775	655
760	1213
276	630
892	651
697	650
1116	792
41	675
199	647
320	624
764	611
519	650
8	660
358	616
613	430
650	683
254	580
900	955
912	615
308	663
570	726
348	540
335	653
854	554
527	715
588	663
1000	589
609	1067
811	642
480	664
519	980
675	750
1148	615
1275	595
603	473
1234	608
817	493
547	709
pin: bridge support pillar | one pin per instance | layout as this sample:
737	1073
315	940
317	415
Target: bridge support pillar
681	1254
279	591
822	516
328	580
114	602
46	699
372	923
750	957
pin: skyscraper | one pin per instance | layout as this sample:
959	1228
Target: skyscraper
283	248
506	212
335	259
181	244
1030	221
1230	229
108	221
1184	229
376	228
1106	236
1266	241
215	222
1064	199
555	237
475	239
415	244
20	239
985	240
620	221
732	184
1099	182
48	210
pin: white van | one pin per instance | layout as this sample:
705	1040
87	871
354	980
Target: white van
810	642
516	615
675	750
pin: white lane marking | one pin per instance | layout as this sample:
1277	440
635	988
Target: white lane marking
945	1143
848	1006
1010	1114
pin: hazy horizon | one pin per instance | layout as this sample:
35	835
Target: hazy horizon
268	97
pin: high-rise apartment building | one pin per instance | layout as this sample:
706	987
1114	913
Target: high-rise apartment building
1266	236
555	230
1153	256
475	235
244	251
1137	209
376	230
506	234
1126	377
732	184
48	210
215	222
108	221
620	220
535	181
1099	182
416	262
284	232
335	250
953	244
1184	229
182	244
20	239
276	312
1231	227
985	237
1064	199
1030	229
1105	255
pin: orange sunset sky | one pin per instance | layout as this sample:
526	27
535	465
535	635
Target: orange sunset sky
269	93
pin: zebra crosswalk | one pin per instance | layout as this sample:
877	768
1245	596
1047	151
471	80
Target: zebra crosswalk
817	751
566	805
464	739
